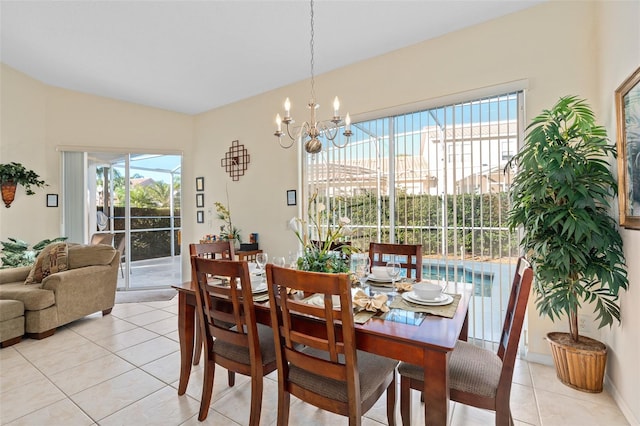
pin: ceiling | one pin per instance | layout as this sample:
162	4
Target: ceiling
193	56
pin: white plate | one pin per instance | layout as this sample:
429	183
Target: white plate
260	289
318	300
411	297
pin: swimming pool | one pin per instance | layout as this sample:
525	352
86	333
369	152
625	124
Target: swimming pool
482	281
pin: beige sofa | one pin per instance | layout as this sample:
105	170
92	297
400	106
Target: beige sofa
87	286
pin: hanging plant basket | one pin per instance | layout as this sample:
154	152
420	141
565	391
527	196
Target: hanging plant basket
14	174
579	365
8	193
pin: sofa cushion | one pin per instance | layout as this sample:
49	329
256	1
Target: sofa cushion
53	258
10	309
32	295
81	255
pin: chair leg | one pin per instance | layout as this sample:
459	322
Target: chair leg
207	387
197	352
256	400
503	416
283	406
405	400
391	401
231	377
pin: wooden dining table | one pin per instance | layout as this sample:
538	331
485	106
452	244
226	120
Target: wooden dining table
429	343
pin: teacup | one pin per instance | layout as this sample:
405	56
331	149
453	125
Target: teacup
427	291
379	272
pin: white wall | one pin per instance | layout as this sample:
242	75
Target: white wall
618	57
559	48
37	119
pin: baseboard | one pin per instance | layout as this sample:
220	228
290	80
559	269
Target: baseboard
539	359
622	405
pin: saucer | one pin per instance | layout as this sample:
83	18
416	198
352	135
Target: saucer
379	280
411	297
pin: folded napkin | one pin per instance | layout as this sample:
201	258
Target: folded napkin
371	304
404	286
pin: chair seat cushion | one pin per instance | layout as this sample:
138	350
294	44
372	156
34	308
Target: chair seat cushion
241	353
471	369
372	370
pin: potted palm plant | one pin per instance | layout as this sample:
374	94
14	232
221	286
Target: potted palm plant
14	174
561	199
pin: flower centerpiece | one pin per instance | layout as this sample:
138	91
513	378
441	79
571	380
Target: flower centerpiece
323	250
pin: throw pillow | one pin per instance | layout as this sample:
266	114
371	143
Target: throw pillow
89	255
53	258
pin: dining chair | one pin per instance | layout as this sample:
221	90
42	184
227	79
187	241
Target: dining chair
246	348
214	250
477	376
379	254
320	364
102	238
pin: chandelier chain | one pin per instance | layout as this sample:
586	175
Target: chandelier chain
311	131
311	45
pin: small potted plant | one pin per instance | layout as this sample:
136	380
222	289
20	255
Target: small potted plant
14	174
561	198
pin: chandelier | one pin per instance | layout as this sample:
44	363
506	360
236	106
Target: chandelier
311	130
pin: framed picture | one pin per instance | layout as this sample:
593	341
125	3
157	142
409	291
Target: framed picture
200	216
52	200
199	200
291	197
200	183
628	144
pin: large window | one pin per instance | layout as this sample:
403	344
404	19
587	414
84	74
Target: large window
434	177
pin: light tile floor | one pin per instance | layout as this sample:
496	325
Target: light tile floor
123	369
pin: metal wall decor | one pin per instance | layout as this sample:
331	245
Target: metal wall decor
236	160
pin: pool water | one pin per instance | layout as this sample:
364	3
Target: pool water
482	281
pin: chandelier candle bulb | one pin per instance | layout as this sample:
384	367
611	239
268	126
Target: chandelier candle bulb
336	108
279	123
287	108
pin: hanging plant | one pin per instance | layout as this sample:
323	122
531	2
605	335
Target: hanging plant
14	174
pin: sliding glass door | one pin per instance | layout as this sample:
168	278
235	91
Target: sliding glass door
137	198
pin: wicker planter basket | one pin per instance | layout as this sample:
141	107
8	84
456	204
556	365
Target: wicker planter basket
579	365
8	193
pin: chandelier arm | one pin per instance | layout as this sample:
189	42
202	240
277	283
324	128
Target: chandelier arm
328	129
286	146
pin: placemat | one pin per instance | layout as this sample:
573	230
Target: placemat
447	311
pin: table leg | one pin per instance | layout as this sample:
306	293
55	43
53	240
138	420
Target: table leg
436	388
186	316
464	333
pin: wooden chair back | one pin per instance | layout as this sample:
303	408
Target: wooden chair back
514	318
216	317
335	327
379	254
213	250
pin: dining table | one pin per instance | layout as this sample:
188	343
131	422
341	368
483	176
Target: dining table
424	339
